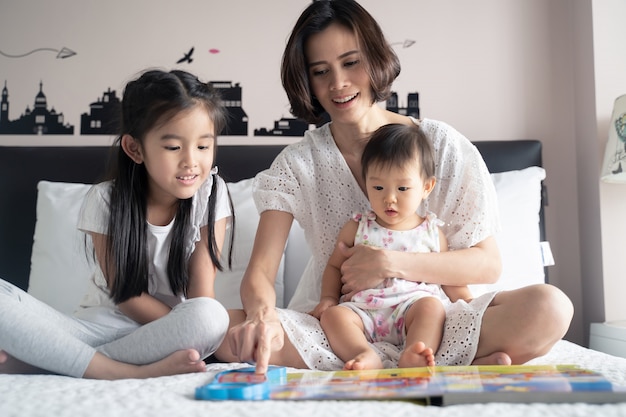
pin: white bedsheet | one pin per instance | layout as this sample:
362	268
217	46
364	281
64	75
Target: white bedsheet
49	395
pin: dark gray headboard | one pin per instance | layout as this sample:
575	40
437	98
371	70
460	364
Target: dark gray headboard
21	168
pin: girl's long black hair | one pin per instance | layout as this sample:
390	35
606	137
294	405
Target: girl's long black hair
154	97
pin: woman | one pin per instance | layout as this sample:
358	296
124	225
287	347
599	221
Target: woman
337	61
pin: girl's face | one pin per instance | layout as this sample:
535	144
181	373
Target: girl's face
395	194
337	74
178	155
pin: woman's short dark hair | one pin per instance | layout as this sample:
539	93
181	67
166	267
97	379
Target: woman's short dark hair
398	145
381	61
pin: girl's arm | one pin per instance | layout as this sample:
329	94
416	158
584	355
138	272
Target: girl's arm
366	266
261	333
202	271
331	279
144	308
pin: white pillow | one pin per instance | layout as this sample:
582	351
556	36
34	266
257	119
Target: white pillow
519	200
246	220
59	266
60	270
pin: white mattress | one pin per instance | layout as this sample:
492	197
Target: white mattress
49	395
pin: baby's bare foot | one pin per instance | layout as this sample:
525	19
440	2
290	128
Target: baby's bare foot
416	355
496	358
365	360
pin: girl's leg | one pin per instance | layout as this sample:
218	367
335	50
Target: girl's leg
37	338
523	324
199	324
424	328
344	330
11	365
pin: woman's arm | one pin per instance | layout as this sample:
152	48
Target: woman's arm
143	308
454	293
366	267
257	287
202	271
261	333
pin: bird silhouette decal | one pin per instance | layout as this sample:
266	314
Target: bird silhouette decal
187	57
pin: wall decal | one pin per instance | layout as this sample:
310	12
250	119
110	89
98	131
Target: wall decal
286	126
412	105
406	44
88	86
39	121
187	57
237	117
102	118
61	53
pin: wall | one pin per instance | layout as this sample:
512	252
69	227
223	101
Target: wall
588	154
494	69
610	76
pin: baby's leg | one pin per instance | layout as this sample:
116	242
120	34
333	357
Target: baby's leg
344	330
424	327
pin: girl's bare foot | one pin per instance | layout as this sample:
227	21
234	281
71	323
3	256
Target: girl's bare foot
497	358
179	362
416	355
365	360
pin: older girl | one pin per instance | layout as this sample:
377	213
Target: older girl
156	230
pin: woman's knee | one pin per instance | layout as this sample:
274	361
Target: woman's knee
556	305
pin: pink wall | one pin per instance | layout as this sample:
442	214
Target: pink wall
494	69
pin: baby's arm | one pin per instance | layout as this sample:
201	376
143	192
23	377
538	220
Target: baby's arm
331	279
454	293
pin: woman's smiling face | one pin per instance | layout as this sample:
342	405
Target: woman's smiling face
337	73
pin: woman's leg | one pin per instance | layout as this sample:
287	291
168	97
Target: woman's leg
523	324
286	356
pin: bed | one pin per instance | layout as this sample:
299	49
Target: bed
23	244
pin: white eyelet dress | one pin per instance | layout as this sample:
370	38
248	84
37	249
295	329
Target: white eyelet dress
312	181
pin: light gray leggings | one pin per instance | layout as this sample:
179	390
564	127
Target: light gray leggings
39	335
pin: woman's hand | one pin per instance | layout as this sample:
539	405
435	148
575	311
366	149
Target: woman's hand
255	339
365	267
